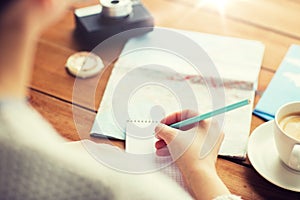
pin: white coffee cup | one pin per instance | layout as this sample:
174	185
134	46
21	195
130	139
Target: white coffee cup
288	147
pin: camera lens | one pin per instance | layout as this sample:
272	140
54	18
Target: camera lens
116	8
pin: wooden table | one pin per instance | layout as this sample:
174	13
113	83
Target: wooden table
274	22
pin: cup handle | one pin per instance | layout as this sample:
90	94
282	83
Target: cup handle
294	160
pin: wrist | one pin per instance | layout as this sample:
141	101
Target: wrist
198	166
197	173
199	170
204	183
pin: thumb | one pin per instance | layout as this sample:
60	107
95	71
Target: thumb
165	133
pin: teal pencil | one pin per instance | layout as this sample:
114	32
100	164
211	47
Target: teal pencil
210	114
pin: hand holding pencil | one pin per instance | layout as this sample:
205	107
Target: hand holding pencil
187	120
184	145
184	139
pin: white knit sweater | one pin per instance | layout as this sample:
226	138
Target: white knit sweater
36	163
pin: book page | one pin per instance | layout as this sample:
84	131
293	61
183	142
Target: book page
284	86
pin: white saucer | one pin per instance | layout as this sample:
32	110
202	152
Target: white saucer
263	156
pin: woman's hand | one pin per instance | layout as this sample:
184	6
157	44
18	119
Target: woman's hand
185	146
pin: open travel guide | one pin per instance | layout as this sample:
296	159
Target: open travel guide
284	86
126	98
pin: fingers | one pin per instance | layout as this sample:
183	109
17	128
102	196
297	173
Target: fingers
163	151
161	148
179	116
160	144
166	133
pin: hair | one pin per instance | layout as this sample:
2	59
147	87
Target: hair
4	4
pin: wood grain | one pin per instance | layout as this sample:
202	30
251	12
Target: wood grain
51	77
70	121
241	180
203	19
279	16
70	104
246	182
50	68
209	20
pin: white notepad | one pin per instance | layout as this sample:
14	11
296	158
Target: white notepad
237	60
140	139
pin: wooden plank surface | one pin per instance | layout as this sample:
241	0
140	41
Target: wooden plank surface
274	22
60	115
246	182
202	19
58	43
50	68
280	16
208	19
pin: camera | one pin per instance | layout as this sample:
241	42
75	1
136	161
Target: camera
96	23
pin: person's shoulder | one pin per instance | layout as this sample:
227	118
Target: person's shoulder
19	120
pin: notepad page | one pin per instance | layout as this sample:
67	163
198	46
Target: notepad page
140	139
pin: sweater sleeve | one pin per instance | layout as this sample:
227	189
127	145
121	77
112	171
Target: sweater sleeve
228	197
37	163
